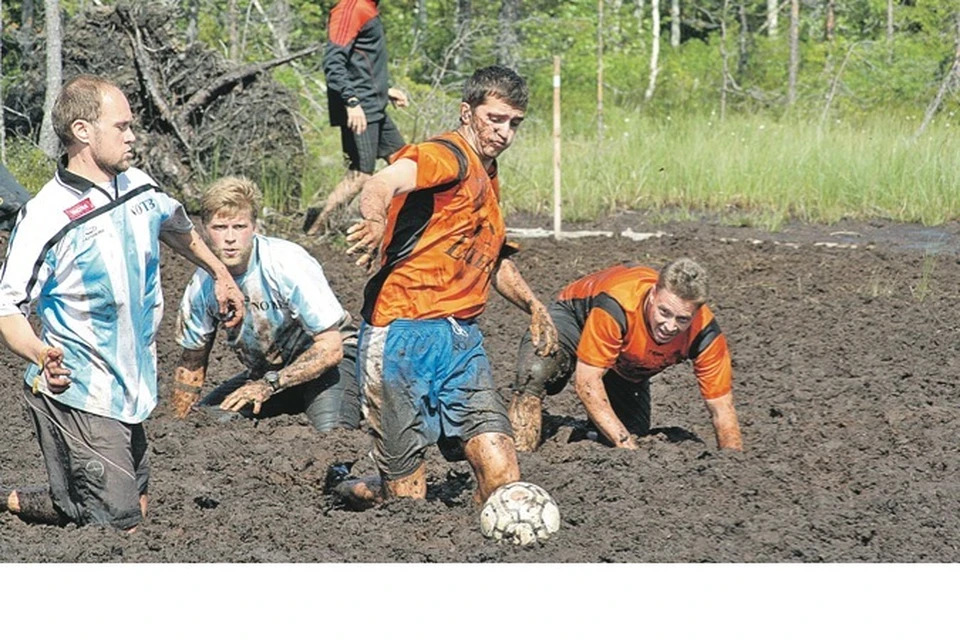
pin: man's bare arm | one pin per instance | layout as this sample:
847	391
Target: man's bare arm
18	336
510	284
325	353
725	422
188	379
593	395
365	236
192	247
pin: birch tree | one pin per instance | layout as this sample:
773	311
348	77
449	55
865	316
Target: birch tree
509	49
54	76
794	52
773	15
674	23
654	48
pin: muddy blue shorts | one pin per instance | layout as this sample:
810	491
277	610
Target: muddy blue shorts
98	467
424	382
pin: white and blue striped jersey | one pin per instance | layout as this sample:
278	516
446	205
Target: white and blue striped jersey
287	302
88	255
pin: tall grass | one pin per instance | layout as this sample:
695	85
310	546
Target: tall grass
749	170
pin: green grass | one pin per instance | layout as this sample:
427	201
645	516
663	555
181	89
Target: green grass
749	170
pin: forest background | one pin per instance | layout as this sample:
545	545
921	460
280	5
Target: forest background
753	111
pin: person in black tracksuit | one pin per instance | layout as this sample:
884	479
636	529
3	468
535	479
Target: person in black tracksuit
358	92
12	197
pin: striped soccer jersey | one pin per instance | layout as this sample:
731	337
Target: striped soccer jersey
608	306
89	256
287	302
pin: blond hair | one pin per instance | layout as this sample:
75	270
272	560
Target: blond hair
230	196
685	279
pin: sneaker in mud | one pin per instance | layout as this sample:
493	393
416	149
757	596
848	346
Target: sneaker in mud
336	473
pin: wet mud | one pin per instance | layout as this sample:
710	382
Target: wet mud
845	352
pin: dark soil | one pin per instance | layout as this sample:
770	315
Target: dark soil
844	362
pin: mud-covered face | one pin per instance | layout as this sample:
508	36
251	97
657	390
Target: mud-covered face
491	127
667	314
231	239
111	136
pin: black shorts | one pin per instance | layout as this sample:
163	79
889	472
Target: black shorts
548	375
381	139
98	467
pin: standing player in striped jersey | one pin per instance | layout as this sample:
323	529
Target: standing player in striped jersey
618	328
434	215
86	250
297	343
358	92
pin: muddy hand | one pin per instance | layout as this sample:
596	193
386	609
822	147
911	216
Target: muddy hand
58	377
230	299
364	238
256	393
543	332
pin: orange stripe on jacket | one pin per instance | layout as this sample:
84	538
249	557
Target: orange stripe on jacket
348	18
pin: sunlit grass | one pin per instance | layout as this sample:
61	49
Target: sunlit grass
748	170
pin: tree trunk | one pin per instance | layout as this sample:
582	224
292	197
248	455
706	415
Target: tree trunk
773	14
674	23
613	19
3	123
948	81
600	69
462	19
744	56
233	31
830	20
794	52
54	39
638	14
25	35
725	69
508	53
654	48
890	21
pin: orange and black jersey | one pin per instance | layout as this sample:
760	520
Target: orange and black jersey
608	306
442	240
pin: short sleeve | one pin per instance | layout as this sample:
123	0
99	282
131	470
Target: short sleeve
601	340
196	318
437	164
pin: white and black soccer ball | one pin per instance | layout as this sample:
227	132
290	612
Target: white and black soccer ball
521	513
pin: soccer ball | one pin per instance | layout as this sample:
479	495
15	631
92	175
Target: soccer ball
520	512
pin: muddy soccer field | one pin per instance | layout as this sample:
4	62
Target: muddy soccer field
845	352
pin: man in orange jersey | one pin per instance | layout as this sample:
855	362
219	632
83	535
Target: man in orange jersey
618	328
434	216
358	92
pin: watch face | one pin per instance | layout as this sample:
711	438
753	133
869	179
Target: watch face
273	379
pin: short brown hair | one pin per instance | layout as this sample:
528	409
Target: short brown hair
229	196
498	82
685	279
79	99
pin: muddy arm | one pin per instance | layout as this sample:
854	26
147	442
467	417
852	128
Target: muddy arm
725	423
510	284
593	395
188	379
325	353
192	247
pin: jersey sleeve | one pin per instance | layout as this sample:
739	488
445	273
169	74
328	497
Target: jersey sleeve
173	217
196	319
713	369
600	340
436	163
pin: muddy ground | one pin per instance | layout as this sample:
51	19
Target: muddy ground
845	350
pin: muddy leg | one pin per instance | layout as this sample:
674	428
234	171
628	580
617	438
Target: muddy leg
493	457
526	417
33	504
411	486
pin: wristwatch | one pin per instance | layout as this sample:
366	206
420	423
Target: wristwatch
352	101
273	379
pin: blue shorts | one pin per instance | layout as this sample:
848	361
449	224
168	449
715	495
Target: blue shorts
424	382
